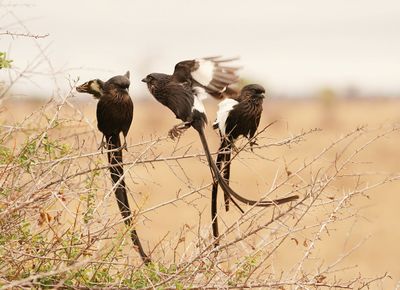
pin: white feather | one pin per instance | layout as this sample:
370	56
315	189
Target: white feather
201	93
198	105
224	108
204	73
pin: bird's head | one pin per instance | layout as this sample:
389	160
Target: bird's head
120	83
149	79
152	81
94	87
252	91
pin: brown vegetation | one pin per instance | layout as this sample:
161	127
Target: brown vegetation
59	224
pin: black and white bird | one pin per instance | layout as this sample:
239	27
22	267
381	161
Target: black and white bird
192	82
235	118
114	115
182	93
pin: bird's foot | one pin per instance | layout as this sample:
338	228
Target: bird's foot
252	143
177	131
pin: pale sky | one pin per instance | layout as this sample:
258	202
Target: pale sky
291	47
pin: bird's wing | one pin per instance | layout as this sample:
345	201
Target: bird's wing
103	117
214	74
253	129
224	108
127	114
179	100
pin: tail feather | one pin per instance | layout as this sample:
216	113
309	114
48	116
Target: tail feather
117	171
214	195
226	187
227	168
117	176
223	160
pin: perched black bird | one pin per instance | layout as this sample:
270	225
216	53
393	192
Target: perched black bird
235	118
114	109
181	92
192	81
114	115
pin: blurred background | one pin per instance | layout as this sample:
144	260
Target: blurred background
296	49
333	65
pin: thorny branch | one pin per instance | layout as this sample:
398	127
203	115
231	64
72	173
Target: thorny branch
21	34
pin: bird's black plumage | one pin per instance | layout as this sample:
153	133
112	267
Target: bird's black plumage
115	108
176	96
237	117
244	117
114	115
179	92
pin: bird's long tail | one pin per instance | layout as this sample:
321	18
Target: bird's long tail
218	179
223	161
117	176
214	196
226	187
226	146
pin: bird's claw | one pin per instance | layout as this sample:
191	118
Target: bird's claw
176	131
252	143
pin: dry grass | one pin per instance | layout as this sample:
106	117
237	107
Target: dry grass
60	224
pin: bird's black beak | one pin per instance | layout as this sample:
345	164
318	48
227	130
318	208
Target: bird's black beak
145	80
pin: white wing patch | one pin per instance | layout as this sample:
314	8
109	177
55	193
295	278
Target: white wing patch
204	74
224	108
198	105
201	93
